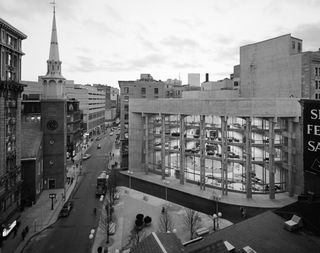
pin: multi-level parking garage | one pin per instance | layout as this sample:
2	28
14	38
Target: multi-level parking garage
244	145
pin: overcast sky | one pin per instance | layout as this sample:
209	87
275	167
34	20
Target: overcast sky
103	41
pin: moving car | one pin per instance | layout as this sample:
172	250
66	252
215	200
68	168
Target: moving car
86	156
66	209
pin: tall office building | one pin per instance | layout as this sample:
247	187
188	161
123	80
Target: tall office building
10	120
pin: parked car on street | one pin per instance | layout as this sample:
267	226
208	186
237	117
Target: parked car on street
99	146
98	138
86	156
111	133
65	211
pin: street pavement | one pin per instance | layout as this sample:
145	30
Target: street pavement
39	216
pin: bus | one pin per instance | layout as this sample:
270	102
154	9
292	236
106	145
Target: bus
102	179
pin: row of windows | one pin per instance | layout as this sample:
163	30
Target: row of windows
143	90
10	40
317	71
96	108
317	84
298	45
97	94
317	95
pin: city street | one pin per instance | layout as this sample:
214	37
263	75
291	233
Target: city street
71	233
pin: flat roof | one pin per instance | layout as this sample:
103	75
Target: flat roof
240	107
264	233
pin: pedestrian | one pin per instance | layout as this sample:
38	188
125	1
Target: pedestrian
241	210
244	213
27	229
163	210
23	234
94	211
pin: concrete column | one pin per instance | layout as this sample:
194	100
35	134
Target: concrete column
182	149
271	159
163	141
248	158
224	155
146	146
290	185
202	153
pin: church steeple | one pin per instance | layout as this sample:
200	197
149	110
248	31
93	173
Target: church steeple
54	63
53	82
54	48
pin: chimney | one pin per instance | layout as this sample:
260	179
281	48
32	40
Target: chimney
207	77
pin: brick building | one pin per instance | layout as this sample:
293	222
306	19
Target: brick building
10	123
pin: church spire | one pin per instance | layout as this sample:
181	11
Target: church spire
53	82
54	49
54	63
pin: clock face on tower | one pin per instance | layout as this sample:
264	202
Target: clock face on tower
52	124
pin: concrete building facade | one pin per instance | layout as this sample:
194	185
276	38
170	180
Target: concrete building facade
249	142
10	120
194	79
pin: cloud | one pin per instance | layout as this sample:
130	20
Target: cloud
150	60
148	44
111	12
186	65
310	34
179	43
100	28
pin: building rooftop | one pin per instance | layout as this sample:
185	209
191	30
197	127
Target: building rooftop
159	243
263	233
12	29
31	137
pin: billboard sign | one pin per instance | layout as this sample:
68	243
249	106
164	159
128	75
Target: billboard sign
311	135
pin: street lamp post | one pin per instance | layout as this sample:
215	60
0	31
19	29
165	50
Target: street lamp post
91	236
217	199
215	218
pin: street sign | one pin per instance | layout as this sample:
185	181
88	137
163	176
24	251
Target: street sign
311	135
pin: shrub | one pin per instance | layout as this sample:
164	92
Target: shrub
147	220
138	223
140	217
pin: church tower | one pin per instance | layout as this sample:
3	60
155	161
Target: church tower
53	82
53	117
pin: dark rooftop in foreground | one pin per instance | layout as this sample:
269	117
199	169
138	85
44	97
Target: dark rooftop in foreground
263	233
157	242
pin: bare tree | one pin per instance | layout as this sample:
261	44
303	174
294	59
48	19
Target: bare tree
165	222
192	221
112	187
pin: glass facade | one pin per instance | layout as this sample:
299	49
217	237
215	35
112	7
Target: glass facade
214	145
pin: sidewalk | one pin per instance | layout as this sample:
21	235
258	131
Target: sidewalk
40	216
100	236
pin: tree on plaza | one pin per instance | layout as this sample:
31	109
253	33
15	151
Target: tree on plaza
165	222
192	221
112	187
